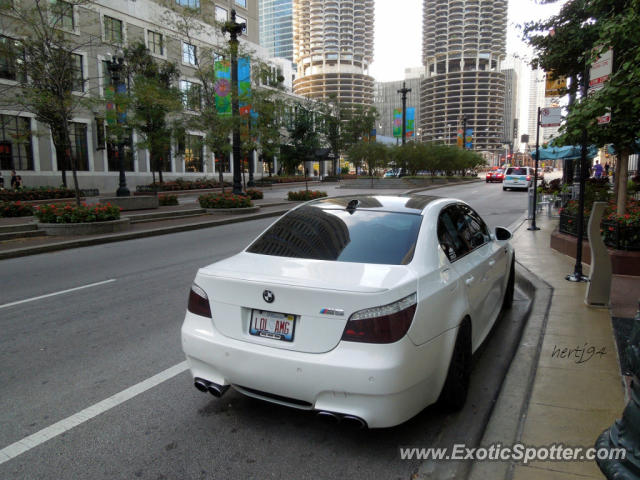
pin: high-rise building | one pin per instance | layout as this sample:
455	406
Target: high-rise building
464	43
510	130
333	47
387	99
276	27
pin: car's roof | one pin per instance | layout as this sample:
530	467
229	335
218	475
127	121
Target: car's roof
388	203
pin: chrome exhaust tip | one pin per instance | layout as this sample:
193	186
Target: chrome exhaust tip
218	390
353	421
201	385
328	417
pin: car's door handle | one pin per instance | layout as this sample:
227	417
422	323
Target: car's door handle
492	262
469	280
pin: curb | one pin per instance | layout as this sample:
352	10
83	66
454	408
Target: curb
507	417
53	247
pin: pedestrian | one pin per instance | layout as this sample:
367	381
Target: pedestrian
18	182
606	169
597	169
14	179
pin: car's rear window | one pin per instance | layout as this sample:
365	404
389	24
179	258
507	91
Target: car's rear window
516	171
363	236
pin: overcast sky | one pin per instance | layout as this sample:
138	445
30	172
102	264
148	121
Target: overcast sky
398	33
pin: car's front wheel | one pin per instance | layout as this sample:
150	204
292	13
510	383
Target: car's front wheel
507	302
456	386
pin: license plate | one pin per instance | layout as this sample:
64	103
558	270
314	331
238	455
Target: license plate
277	326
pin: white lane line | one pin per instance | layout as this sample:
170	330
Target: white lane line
57	293
38	438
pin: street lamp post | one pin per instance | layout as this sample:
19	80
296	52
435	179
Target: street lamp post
464	132
234	29
115	66
404	90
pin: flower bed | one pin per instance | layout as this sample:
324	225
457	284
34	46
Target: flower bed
15	209
73	214
180	184
39	193
165	200
254	194
274	179
621	232
306	195
224	200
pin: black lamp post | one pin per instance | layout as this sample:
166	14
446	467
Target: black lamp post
404	90
115	66
234	29
464	132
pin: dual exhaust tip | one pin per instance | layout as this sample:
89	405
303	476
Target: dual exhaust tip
336	418
213	388
329	417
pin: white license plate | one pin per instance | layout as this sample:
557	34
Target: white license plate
277	326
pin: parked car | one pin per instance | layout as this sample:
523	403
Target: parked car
517	178
495	176
364	309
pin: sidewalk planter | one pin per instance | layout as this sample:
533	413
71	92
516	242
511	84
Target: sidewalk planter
233	211
615	235
305	195
92	228
138	202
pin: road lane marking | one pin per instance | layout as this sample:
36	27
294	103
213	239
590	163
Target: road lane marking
52	431
57	293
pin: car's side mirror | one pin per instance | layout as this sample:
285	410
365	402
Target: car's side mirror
502	233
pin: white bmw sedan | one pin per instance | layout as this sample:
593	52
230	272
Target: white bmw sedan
365	309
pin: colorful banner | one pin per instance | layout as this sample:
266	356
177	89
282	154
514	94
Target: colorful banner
459	140
468	139
397	122
554	86
222	86
411	122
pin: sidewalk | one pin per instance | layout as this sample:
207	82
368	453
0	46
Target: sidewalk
567	397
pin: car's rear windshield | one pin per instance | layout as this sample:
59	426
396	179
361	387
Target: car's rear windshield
517	171
363	236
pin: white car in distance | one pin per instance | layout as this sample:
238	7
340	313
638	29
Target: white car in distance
365	309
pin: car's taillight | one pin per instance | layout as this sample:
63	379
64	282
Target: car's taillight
528	178
385	324
199	302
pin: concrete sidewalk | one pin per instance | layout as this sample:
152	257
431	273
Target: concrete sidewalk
554	392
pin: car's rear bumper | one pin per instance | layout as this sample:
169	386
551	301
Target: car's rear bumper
383	384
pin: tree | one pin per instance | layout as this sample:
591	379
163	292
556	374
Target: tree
331	112
304	139
153	99
373	154
581	32
50	85
357	123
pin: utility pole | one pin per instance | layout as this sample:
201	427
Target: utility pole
404	90
234	29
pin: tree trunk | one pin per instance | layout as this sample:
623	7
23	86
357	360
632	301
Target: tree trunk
60	156
69	160
622	166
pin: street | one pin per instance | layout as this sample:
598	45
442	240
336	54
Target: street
63	353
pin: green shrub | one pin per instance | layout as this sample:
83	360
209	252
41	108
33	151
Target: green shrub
72	214
15	209
306	195
254	194
165	200
224	200
37	193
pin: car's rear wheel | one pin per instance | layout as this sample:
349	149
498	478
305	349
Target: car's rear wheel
504	189
507	302
456	386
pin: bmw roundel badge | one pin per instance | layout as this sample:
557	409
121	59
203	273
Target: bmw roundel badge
268	296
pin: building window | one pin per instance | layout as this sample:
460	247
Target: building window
78	72
106	76
113	32
191	95
112	153
221	14
62	14
79	145
241	3
156	42
15	143
11	59
190	147
189	54
240	19
189	3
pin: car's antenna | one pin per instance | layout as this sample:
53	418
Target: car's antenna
352	205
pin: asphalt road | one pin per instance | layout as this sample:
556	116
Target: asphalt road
66	352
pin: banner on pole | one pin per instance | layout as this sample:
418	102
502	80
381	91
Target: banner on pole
397	122
468	139
411	122
554	86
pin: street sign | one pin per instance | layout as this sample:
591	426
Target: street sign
550	116
601	68
554	86
606	118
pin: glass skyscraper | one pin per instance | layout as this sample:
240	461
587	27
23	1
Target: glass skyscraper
276	27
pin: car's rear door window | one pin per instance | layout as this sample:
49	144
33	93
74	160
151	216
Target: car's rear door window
517	171
453	234
360	236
